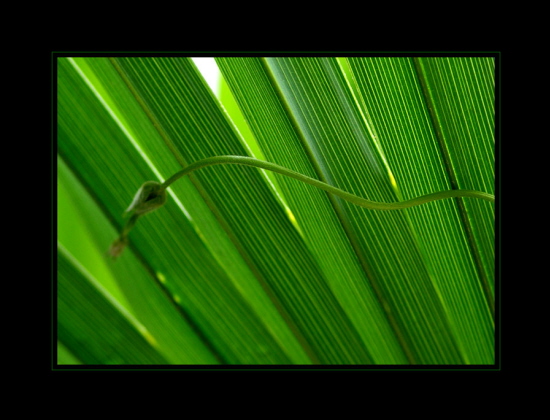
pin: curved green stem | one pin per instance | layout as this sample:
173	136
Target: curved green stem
152	195
359	201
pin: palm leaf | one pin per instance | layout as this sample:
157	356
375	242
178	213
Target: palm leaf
235	269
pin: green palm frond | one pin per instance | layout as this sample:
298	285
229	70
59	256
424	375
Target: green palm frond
241	266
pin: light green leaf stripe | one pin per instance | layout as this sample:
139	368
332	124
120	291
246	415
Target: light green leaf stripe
65	357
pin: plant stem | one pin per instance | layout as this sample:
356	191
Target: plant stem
359	201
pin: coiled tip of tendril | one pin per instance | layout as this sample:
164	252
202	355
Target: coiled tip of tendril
150	196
